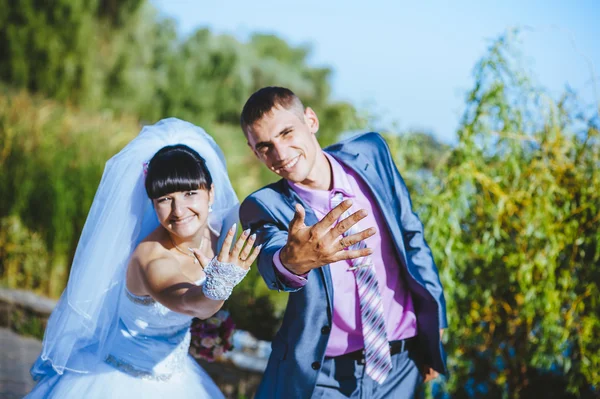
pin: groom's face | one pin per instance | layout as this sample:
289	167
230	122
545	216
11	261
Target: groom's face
284	140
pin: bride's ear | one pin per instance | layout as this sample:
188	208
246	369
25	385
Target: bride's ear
211	195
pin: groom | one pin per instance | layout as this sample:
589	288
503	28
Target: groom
366	307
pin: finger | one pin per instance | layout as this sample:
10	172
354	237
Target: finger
248	247
248	262
224	254
347	223
203	260
332	217
352	239
297	221
205	246
239	244
430	374
199	253
351	254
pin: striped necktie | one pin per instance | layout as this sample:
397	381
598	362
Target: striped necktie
378	361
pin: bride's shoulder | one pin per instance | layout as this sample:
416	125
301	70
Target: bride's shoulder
153	262
150	249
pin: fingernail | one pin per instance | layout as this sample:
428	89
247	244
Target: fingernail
259	247
234	227
253	237
246	232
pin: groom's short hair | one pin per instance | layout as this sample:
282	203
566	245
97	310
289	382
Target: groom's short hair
264	100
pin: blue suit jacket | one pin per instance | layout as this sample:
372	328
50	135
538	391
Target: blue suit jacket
299	345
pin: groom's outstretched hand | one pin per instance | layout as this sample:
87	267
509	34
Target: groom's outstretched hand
309	247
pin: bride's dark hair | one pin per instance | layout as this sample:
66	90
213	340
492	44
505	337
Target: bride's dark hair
176	168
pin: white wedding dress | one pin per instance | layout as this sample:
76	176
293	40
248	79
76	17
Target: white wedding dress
148	359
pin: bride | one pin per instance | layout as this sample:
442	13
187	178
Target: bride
145	266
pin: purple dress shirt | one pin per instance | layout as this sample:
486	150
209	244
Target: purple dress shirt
346	333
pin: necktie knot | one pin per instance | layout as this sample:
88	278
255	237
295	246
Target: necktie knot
336	199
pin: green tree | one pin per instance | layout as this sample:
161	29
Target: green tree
51	158
52	47
513	224
46	46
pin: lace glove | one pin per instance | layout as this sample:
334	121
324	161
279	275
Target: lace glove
221	277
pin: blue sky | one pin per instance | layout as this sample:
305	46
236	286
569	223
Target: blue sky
411	63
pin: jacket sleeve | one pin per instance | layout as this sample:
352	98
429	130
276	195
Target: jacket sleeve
272	234
418	253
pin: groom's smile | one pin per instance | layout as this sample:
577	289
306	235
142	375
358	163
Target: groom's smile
288	165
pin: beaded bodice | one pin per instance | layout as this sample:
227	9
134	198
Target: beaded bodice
151	340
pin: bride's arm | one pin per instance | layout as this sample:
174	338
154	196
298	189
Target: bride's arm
166	284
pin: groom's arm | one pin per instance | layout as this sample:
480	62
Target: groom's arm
273	235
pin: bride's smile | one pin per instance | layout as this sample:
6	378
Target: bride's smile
184	220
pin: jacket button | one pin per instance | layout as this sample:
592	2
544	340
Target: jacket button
316	365
325	330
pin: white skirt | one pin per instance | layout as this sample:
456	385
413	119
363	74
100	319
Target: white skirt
107	382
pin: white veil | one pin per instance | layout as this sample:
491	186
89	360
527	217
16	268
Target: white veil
79	330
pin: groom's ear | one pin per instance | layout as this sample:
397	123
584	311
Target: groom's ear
311	119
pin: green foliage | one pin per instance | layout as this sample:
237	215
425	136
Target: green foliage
24	256
51	159
44	46
121	56
417	155
417	151
27	323
513	223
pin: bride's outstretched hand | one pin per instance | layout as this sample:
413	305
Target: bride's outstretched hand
243	253
226	270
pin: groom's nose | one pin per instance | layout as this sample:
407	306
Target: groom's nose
279	152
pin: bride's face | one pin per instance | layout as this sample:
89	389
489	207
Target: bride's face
184	213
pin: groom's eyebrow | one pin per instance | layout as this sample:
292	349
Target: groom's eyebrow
261	144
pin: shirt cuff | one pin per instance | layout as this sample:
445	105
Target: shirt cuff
287	277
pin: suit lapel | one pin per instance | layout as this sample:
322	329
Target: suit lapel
368	172
361	165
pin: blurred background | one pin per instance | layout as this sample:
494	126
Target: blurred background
491	112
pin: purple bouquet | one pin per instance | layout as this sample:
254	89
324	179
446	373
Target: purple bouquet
211	338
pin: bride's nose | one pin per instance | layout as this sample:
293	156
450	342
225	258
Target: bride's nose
176	208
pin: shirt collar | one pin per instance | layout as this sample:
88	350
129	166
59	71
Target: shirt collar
320	199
